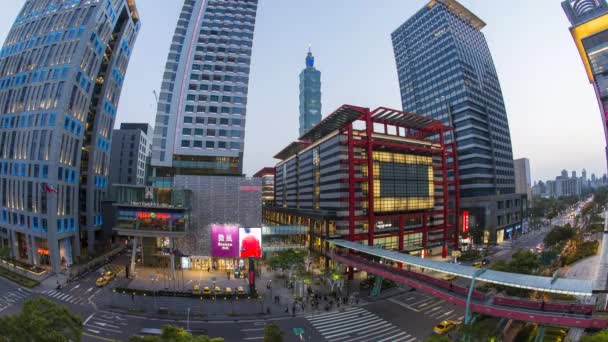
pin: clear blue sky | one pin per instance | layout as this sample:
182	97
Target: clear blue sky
553	114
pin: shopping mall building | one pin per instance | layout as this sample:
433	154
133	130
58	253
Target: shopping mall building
382	178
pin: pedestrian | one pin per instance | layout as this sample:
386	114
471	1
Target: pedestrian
132	297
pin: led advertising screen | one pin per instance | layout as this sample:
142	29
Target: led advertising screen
224	241
250	242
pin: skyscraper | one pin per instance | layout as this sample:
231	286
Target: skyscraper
200	121
446	72
589	19
310	95
523	179
131	149
62	68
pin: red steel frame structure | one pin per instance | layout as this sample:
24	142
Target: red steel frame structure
417	128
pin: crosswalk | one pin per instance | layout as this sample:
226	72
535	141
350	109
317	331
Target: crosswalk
8	299
429	306
357	325
73	295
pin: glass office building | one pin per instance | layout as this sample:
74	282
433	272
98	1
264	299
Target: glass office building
446	72
589	19
62	68
200	120
310	95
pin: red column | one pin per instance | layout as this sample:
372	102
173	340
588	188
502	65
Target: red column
401	236
369	128
425	233
444	176
456	196
351	184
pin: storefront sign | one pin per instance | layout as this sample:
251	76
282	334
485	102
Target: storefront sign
465	221
42	251
250	188
224	241
149	215
381	224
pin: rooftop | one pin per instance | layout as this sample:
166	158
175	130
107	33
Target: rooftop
460	11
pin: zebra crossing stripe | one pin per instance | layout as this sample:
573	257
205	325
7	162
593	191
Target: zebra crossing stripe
337	325
326	315
341	318
392	338
349	331
378	332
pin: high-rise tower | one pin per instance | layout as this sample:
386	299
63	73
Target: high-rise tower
589	19
62	68
310	95
446	72
200	121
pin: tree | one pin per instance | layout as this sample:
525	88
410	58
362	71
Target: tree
524	262
272	333
171	333
289	260
41	320
559	235
601	336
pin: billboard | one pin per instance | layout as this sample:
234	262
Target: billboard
250	242
224	241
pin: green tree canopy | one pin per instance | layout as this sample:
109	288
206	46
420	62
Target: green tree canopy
41	320
288	260
272	333
559	235
171	333
601	336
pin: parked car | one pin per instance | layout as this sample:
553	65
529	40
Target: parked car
477	264
240	290
196	290
206	290
228	290
109	275
217	290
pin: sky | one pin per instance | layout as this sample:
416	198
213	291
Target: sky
553	114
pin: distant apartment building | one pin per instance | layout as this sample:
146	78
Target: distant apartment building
131	150
446	72
62	68
523	179
267	176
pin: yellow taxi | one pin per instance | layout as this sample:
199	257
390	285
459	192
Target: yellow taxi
217	290
109	275
477	264
196	290
444	327
206	290
240	290
101	282
449	277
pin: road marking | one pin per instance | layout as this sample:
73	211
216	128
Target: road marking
88	318
107	325
433	309
324	321
348	320
391	337
254	338
89	290
94	331
383	324
257	329
108	329
413	339
393	300
75	287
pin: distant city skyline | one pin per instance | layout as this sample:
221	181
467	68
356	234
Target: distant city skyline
552	110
